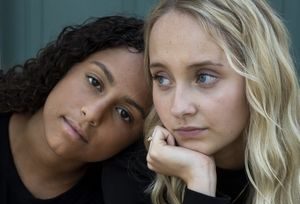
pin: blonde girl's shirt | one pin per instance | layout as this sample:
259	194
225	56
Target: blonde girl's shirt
232	187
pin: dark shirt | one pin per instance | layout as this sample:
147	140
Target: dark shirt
109	182
232	187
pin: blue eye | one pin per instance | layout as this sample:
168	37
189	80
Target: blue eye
161	80
95	83
124	114
206	79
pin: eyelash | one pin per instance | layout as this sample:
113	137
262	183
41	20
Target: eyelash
99	84
100	87
210	77
158	78
129	116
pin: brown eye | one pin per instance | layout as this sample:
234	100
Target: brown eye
124	114
95	83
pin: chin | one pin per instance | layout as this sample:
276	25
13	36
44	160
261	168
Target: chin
204	149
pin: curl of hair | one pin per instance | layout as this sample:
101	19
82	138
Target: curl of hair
24	88
256	45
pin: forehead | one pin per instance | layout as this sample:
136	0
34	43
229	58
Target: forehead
186	38
119	60
180	25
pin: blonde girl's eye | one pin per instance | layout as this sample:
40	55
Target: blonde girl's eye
95	82
124	114
206	79
161	80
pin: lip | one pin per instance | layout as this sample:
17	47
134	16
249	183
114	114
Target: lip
190	131
74	130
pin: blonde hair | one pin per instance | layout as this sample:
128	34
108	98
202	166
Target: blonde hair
256	45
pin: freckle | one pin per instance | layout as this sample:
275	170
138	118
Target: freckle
170	42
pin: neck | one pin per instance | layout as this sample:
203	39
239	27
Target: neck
232	156
35	161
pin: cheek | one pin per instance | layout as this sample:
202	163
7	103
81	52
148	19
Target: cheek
162	105
115	139
56	97
108	146
231	114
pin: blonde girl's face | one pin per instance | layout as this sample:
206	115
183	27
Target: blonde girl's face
199	98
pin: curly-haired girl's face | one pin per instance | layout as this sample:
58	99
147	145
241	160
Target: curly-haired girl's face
98	108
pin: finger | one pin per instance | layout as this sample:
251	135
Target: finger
165	137
151	163
150	138
171	140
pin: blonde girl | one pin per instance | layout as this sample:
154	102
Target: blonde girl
225	123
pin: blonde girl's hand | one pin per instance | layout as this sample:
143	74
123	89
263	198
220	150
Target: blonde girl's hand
197	170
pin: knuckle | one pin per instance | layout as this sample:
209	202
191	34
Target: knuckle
149	166
152	155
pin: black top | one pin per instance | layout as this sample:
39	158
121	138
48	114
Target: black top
122	179
232	187
109	182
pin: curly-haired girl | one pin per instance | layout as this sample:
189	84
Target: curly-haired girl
83	99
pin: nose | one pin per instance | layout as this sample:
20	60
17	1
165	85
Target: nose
183	103
94	112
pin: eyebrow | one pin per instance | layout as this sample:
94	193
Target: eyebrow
194	65
107	73
136	105
205	63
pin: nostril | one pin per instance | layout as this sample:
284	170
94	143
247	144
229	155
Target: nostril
93	123
83	111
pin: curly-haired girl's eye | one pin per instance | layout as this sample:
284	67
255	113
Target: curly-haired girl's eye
95	83
124	114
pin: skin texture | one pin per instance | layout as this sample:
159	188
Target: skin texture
106	103
90	115
200	100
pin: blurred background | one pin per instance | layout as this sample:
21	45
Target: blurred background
28	25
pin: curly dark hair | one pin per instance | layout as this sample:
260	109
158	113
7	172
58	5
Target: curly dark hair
24	88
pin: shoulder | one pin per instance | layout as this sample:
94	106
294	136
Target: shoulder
4	123
5	116
125	178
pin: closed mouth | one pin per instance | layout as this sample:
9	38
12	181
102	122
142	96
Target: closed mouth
190	131
76	129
